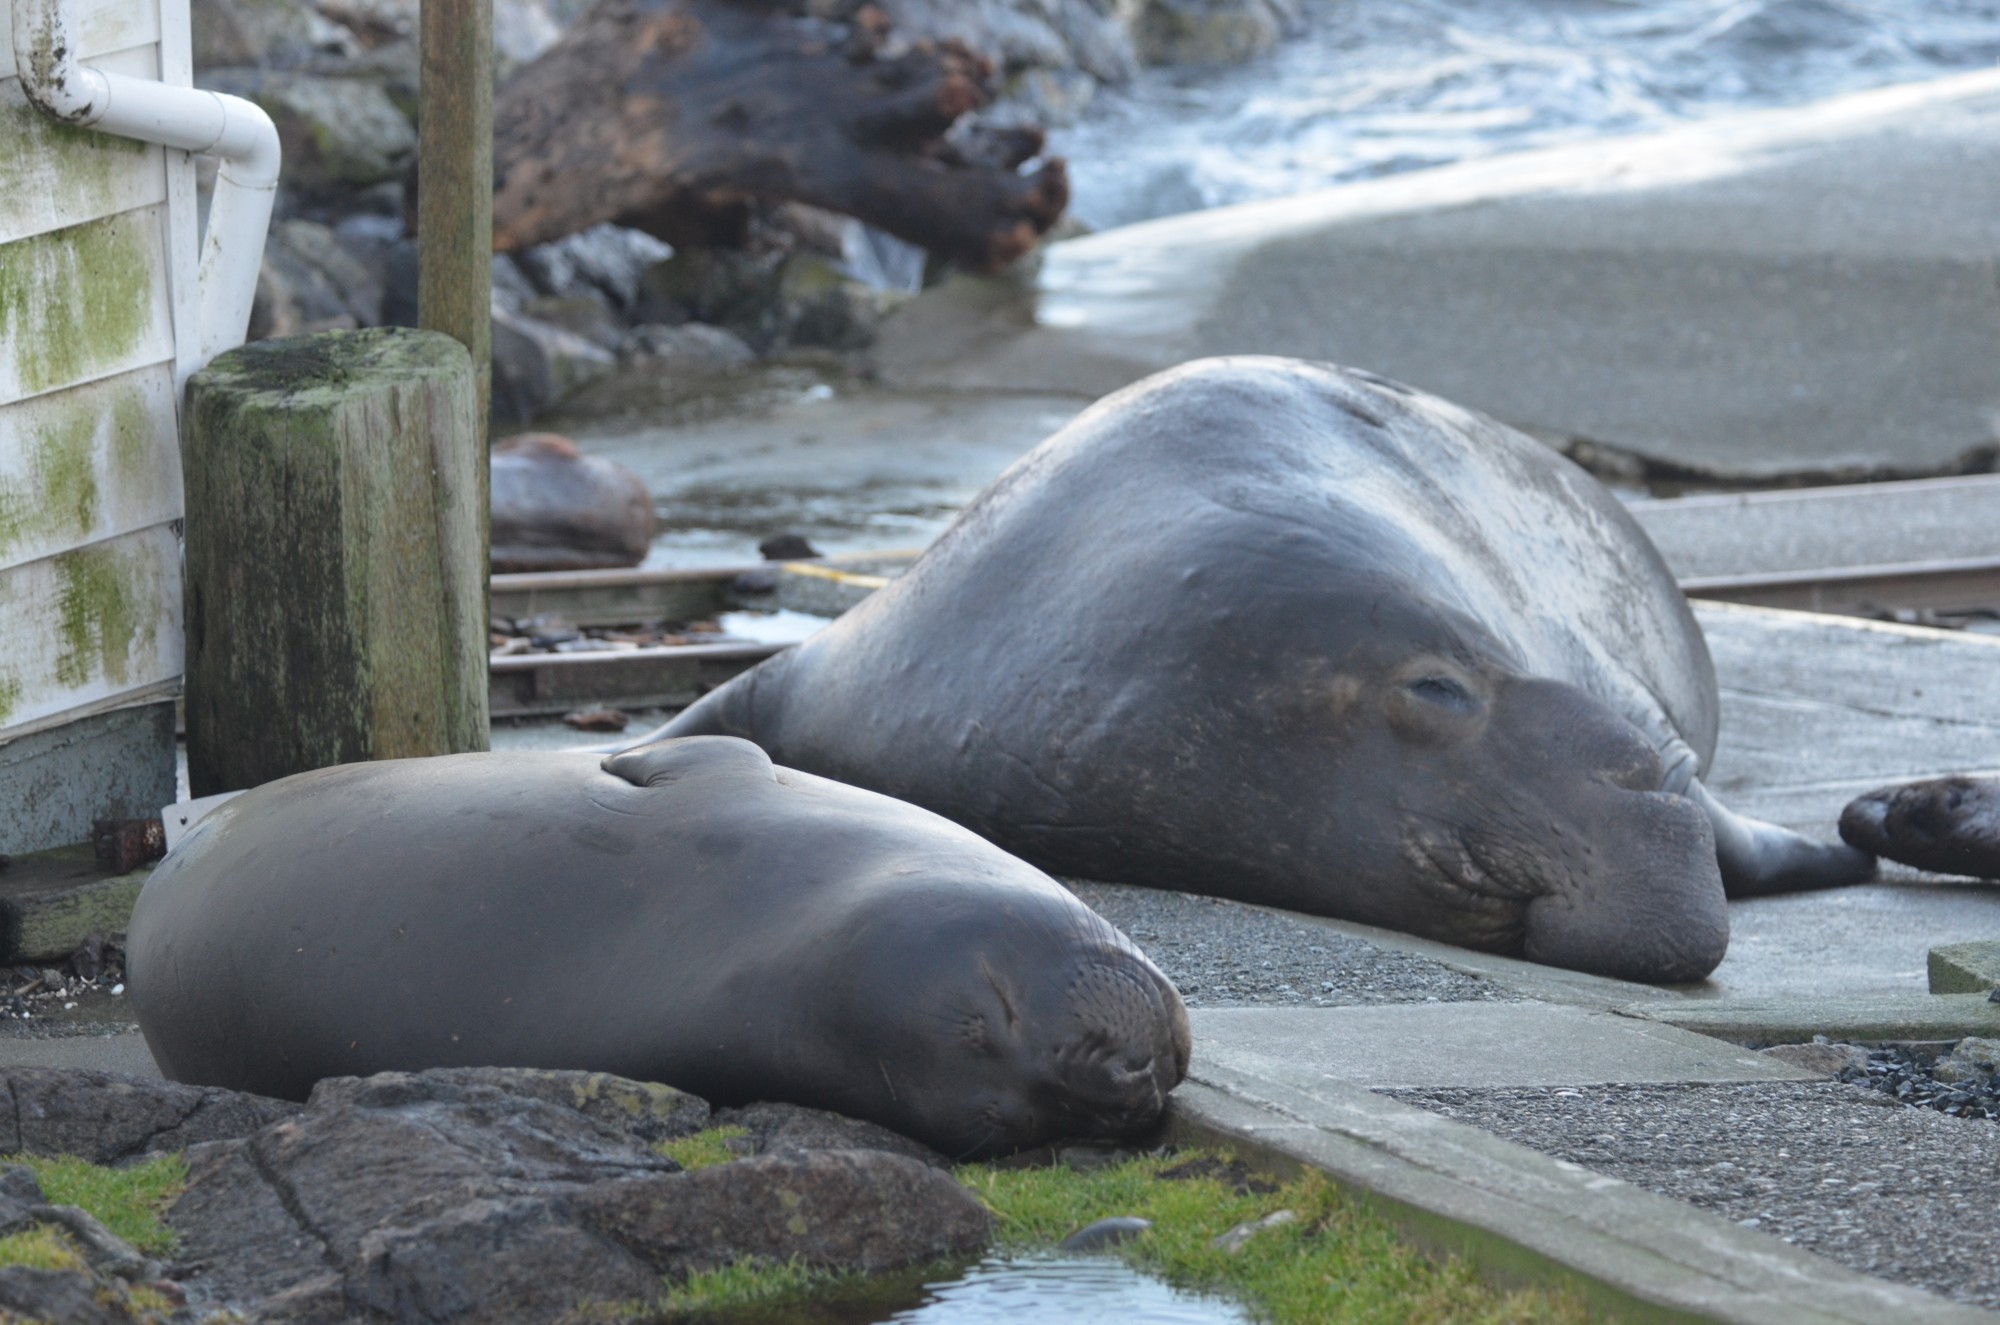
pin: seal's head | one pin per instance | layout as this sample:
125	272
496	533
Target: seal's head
1521	814
1011	1027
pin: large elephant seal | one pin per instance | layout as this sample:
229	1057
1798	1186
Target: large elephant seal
686	913
1298	635
555	508
1948	825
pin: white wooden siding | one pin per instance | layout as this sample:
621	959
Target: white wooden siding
100	624
97	252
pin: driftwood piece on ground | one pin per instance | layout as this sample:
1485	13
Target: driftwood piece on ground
671	116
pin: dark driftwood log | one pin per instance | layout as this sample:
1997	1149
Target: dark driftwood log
671	115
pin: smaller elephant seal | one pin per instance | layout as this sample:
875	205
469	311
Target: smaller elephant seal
685	913
555	508
1946	825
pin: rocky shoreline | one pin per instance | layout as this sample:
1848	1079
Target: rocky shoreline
339	77
467	1194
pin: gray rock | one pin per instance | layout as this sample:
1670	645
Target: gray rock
779	1127
312	281
107	1118
106	1251
338	134
864	1210
1207	31
642	1110
1971	1059
608	259
1237	1238
1828	1060
70	1296
1106	1233
424	1194
536	363
586	315
278	34
820	306
692	347
489	1194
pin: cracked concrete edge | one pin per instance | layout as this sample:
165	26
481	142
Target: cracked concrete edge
1546	984
1874	1018
1520	1217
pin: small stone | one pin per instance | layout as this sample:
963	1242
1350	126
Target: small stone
1236	1239
1826	1059
1106	1233
597	720
787	547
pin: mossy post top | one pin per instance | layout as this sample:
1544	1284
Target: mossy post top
335	555
319	369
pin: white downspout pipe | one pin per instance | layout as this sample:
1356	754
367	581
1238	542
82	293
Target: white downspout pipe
237	131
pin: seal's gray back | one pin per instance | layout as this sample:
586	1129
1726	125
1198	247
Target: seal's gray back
1237	498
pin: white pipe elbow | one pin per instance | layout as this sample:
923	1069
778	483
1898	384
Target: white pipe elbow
235	130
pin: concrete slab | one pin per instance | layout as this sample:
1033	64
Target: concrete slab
1867	1018
1781	291
1518	1215
1456	1044
124	1052
1965	968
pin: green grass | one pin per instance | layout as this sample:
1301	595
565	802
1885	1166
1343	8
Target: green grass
40	1248
127	1201
1335	1263
703	1149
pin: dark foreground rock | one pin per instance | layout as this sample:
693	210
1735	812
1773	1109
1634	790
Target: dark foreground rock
503	1195
107	1118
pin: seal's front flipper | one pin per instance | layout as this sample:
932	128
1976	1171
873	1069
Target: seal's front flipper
1944	825
1759	859
661	762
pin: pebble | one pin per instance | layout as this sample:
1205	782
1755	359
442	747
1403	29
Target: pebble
1833	1167
1223	954
1955	1085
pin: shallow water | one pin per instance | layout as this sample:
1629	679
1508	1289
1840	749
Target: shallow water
1046	1289
1376	87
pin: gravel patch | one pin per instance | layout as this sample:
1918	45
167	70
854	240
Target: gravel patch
1902	1193
1222	954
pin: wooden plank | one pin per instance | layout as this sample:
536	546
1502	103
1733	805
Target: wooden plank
1817	709
1963	585
1823	531
88	626
99	27
539	684
88	464
83	303
53	176
620	597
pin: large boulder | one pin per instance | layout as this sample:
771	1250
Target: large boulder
108	1118
496	1194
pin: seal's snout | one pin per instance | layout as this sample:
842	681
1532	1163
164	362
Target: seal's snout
1127	1047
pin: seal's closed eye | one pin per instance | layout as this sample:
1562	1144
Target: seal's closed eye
1443	691
662	761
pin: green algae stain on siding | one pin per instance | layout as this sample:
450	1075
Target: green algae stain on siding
100	616
52	173
63	461
132	429
75	302
10	697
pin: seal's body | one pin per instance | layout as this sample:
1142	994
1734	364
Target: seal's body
1298	635
686	914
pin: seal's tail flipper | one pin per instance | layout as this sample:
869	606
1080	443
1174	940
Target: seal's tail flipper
1945	825
1759	859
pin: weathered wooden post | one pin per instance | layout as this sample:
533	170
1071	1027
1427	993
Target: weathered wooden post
335	569
455	165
